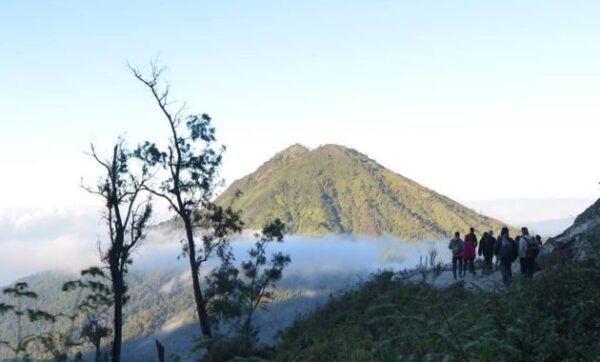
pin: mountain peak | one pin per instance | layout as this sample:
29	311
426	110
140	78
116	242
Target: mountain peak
336	189
295	149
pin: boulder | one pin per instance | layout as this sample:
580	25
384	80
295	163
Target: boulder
575	243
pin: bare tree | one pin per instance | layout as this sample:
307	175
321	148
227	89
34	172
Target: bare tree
127	216
190	163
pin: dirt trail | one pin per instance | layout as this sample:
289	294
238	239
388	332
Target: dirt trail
487	282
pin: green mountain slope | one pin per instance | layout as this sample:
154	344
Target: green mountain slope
387	320
335	189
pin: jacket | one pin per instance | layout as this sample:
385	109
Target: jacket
486	245
523	245
470	246
456	245
506	249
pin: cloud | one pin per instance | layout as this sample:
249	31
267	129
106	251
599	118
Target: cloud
48	223
67	238
34	240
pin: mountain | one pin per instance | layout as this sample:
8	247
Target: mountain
335	189
579	241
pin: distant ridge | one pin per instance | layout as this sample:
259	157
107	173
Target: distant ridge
335	189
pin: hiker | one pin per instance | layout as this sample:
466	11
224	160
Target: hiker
486	249
528	251
518	242
469	252
507	253
456	245
539	241
496	248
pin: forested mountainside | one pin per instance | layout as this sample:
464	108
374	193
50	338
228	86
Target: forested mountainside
335	189
161	307
158	299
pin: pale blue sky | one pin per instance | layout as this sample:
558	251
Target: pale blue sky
445	92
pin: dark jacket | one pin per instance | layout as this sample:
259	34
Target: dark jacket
486	246
506	249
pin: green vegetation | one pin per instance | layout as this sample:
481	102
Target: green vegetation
555	317
192	163
160	299
126	215
334	189
157	299
236	294
34	327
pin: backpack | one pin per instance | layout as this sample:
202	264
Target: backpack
457	247
532	249
507	249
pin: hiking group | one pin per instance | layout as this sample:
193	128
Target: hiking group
506	250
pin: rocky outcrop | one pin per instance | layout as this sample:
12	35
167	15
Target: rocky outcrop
577	242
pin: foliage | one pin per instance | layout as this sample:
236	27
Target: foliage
163	298
44	333
121	188
235	294
553	317
145	312
334	189
189	165
431	268
22	347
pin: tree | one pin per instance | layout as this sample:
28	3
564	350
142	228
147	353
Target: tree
190	164
41	335
21	293
126	216
92	297
236	294
93	332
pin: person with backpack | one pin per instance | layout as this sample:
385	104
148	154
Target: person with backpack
486	249
457	245
528	251
506	252
469	252
518	242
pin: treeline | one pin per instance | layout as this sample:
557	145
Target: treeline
182	171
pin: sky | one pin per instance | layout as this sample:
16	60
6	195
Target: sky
476	100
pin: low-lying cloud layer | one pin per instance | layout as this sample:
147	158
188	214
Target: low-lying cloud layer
36	240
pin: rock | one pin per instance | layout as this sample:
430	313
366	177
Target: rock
545	258
576	242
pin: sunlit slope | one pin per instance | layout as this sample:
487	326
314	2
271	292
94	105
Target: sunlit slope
335	189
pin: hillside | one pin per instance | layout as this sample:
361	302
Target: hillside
335	189
392	317
387	320
579	241
161	307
